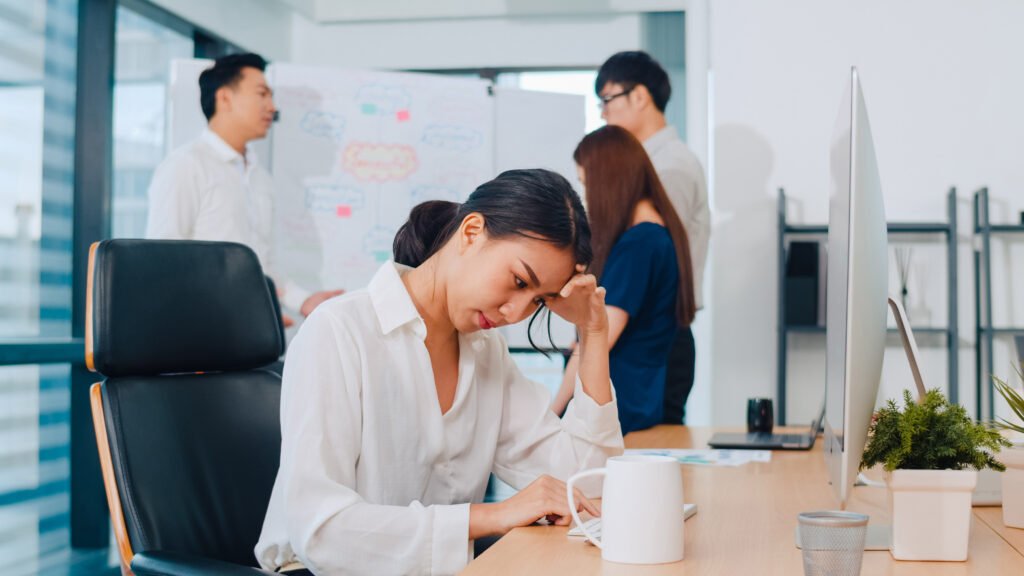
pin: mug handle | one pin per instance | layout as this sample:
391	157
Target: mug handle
572	500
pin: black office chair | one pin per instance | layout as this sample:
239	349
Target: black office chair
187	420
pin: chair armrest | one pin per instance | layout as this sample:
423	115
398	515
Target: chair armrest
156	563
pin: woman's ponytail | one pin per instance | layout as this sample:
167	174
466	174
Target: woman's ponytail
429	226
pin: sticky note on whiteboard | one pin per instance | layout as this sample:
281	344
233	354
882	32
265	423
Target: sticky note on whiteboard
344	211
403	115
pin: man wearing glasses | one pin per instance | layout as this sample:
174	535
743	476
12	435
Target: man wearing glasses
634	89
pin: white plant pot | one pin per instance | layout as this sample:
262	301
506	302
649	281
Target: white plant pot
1013	486
931	513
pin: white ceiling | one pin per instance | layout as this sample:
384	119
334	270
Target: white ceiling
328	11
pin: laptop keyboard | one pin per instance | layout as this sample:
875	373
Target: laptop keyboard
765	438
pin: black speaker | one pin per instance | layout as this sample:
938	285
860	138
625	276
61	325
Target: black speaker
802	284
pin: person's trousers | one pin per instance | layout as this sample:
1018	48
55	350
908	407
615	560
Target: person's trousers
679	377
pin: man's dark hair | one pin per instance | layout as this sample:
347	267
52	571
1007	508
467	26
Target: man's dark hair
636	68
226	71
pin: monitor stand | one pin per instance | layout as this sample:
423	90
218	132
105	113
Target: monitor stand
909	344
879	536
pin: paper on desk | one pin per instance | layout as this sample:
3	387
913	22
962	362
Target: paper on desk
709	457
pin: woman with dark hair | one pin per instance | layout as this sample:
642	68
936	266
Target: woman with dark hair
398	401
642	256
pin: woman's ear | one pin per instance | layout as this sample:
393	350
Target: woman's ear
471	231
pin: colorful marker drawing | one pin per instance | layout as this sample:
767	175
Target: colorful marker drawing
323	124
432	192
367	161
382	99
378	240
454	138
326	197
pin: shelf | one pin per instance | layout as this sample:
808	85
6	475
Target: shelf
806	229
1006	228
919	228
893	228
944	232
805	329
890	329
985	332
1003	330
921	330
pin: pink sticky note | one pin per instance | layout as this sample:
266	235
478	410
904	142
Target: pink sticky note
344	211
403	115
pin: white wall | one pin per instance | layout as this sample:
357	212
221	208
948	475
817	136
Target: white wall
944	91
263	26
448	44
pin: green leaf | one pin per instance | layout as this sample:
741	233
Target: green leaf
930	435
1014	400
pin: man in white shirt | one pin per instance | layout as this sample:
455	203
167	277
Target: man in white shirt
213	188
634	90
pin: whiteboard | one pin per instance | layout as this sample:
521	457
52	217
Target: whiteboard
538	130
354	150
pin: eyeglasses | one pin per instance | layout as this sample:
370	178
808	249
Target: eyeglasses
605	100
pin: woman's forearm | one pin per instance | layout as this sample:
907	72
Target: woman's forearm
565	392
484	520
593	366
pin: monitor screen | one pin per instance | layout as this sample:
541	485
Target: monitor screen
857	283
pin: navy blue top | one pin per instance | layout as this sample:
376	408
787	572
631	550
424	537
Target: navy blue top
642	278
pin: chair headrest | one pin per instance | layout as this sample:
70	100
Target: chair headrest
168	306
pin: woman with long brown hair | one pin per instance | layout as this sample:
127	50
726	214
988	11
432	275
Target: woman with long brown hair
642	258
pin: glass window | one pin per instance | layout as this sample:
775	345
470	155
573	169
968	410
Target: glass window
37	141
567	82
38	64
35	466
144	52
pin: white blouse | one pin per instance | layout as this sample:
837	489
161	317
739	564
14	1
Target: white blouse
373	478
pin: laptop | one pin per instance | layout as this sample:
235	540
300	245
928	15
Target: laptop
766	441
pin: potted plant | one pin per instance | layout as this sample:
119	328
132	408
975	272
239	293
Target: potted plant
1013	478
931	451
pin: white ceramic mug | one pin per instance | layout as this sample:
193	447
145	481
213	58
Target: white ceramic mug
641	518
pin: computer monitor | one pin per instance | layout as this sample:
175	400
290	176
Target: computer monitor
857	284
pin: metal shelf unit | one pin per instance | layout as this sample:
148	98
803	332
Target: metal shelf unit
984	330
947	230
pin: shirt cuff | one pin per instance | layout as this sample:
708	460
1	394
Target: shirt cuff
600	422
294	295
450	550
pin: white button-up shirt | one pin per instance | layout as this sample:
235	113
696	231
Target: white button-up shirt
206	190
373	478
682	177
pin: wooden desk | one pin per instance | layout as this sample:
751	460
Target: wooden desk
993	517
745	523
